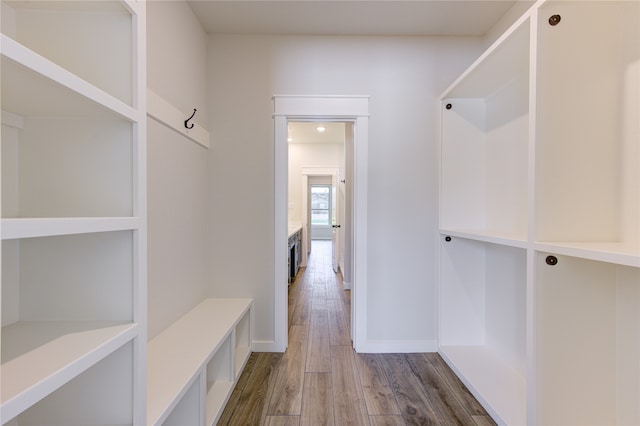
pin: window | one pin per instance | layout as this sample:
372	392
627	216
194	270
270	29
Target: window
321	205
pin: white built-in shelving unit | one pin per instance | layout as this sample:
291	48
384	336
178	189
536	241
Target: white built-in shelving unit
195	363
540	218
73	212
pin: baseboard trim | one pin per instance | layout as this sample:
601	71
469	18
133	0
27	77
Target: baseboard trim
371	346
265	346
398	346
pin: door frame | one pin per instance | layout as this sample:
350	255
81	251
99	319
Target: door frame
353	109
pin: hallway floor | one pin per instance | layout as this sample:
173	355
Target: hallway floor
320	380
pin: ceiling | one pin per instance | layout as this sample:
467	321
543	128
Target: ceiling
351	17
306	132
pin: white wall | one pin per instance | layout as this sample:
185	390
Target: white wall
308	155
403	76
177	57
177	167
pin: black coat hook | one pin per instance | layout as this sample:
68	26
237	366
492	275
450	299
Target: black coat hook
186	122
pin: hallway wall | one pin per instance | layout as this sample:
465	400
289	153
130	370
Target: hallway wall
403	76
177	167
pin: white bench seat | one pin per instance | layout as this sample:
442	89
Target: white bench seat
193	365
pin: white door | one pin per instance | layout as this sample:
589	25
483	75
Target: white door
321	209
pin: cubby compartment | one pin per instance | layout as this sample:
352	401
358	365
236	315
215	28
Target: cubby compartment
211	344
485	144
189	410
587	153
67	301
242	338
483	322
69	32
67	156
588	342
84	170
86	277
220	380
101	394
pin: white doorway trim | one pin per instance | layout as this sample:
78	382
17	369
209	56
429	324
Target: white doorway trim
337	108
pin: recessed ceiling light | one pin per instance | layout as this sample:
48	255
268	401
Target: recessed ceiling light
321	129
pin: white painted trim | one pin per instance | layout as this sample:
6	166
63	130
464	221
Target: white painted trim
320	171
165	113
399	346
281	226
140	295
339	108
264	346
15	228
306	231
359	247
12	120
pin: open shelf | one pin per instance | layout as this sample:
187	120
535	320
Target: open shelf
189	410
44	227
59	315
35	86
617	253
501	390
217	395
504	239
588	342
100	30
484	123
31	373
220	376
506	59
68	278
65	155
587	153
483	322
242	339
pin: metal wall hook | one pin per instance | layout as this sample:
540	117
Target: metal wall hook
186	122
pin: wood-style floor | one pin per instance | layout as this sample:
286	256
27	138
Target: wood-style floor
320	380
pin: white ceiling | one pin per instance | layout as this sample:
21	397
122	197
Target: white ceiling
351	17
305	132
